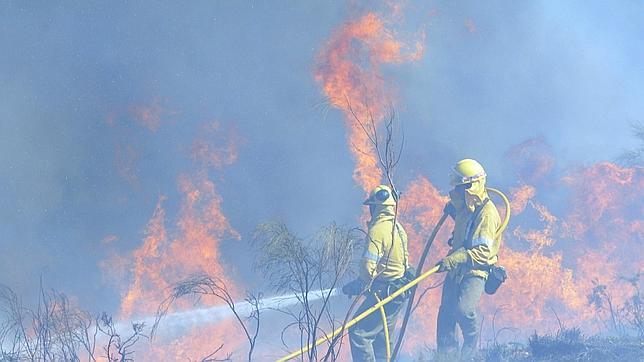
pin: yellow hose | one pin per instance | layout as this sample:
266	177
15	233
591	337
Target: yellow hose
362	315
412	293
506	219
385	327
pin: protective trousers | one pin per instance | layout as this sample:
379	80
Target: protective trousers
367	337
459	303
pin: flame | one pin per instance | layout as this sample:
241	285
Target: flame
421	208
520	196
553	269
349	70
601	194
539	238
553	262
168	255
585	232
171	251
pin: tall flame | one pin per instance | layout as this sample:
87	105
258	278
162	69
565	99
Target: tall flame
555	259
190	245
349	70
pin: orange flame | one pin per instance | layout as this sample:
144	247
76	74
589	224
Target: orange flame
538	239
172	252
520	197
348	68
553	268
554	259
421	208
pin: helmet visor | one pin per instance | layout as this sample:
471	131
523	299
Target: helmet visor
457	179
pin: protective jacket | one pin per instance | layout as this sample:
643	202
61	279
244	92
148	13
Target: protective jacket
475	243
384	258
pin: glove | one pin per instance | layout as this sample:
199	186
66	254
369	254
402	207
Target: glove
441	267
450	210
410	273
355	287
453	260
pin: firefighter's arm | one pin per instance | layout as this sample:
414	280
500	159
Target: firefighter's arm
453	260
372	253
483	249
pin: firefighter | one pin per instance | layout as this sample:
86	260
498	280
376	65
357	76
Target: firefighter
382	271
474	247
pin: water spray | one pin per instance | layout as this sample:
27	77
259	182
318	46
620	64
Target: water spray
181	322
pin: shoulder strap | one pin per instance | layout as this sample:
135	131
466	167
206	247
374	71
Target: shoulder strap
470	227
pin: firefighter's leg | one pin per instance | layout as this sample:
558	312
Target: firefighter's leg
392	309
446	325
363	334
471	289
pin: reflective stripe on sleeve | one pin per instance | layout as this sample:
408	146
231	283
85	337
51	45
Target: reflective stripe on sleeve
371	256
482	240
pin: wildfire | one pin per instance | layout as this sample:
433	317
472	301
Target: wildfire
553	271
172	251
556	255
349	70
557	262
421	207
520	197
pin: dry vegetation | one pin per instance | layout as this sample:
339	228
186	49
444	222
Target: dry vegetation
56	330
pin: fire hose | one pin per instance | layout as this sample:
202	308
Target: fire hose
385	327
380	304
361	316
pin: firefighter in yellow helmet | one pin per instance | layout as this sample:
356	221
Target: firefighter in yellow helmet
382	271
474	247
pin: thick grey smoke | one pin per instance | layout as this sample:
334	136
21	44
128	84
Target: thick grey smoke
79	169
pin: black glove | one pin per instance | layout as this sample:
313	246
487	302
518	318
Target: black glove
354	287
441	267
410	273
450	210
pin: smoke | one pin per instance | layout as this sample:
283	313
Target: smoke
109	114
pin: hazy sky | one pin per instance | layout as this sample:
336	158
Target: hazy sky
77	167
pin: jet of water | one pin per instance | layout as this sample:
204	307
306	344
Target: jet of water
180	322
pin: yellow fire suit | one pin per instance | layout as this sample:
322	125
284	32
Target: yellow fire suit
384	261
475	246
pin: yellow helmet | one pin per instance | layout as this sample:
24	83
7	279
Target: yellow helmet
381	195
467	171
